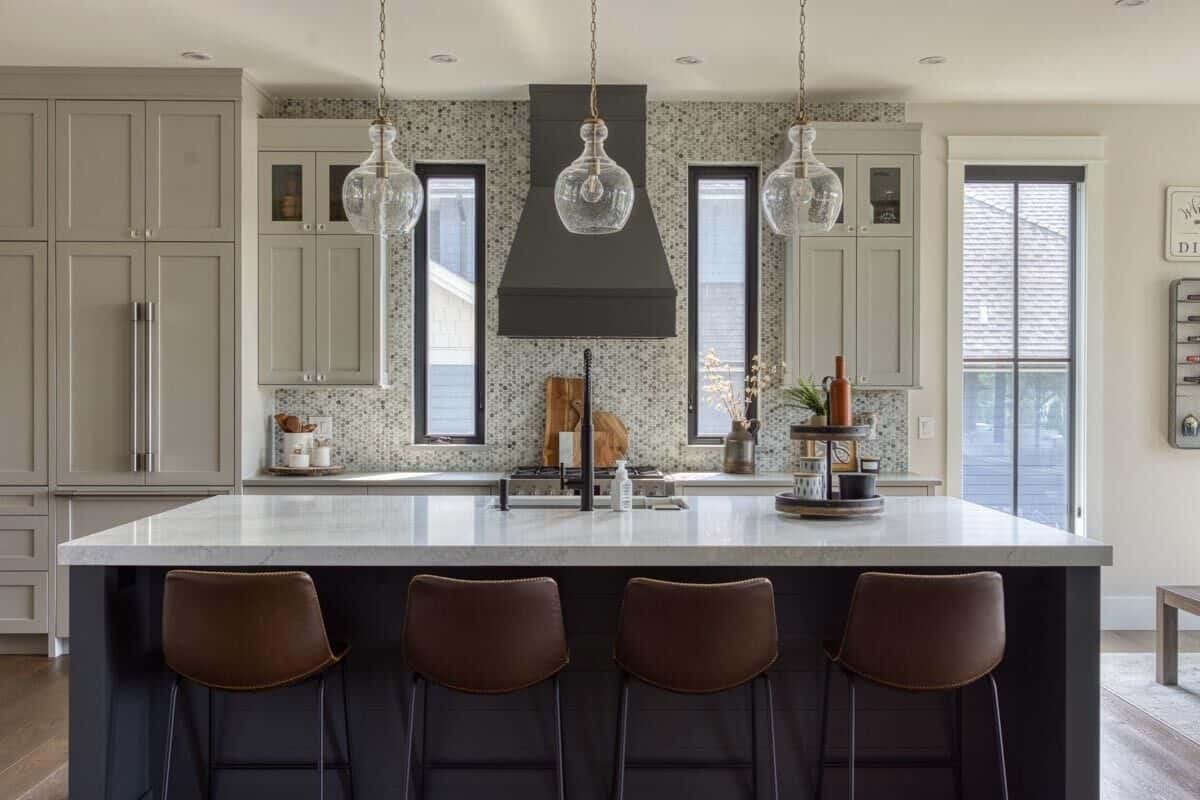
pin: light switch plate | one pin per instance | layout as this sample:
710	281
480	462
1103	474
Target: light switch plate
924	427
324	427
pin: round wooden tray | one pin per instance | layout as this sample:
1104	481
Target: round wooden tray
831	433
790	505
307	472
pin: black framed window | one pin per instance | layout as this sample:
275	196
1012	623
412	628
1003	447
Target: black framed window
722	286
1020	240
448	305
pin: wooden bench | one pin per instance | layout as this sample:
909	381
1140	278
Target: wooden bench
1172	599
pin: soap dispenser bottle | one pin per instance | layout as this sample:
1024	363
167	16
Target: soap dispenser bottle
622	489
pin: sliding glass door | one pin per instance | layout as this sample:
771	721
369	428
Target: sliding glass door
1018	416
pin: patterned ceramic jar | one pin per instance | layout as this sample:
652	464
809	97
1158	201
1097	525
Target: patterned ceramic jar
809	485
811	464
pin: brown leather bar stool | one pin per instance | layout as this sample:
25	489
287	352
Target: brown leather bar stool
921	633
695	638
248	632
484	637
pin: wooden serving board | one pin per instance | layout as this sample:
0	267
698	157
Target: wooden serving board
791	505
561	394
307	472
610	435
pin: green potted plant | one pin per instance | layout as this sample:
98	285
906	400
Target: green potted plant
807	396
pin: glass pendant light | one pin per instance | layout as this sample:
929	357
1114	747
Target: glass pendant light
802	195
382	195
594	194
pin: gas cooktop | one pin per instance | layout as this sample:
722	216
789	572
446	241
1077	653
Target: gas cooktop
602	473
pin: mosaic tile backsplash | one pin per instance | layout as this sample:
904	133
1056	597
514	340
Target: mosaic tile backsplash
644	382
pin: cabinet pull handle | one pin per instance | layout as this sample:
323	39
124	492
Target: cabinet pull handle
307	378
149	233
320	377
135	316
307	226
149	314
320	226
133	233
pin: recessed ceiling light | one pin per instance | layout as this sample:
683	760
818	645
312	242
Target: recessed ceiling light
932	60
689	61
443	58
195	55
1131	3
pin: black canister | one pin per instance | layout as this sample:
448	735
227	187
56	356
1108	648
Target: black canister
857	485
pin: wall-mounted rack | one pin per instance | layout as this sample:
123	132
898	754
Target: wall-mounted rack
1183	369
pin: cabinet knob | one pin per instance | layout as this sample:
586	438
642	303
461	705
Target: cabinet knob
320	377
863	228
850	229
133	233
320	226
149	233
307	378
307	226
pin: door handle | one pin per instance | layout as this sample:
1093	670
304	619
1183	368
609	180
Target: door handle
135	316
150	355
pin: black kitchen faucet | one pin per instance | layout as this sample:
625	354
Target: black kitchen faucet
586	484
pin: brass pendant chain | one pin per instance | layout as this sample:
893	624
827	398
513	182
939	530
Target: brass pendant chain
802	96
382	100
595	109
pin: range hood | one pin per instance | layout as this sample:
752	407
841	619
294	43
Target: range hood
559	284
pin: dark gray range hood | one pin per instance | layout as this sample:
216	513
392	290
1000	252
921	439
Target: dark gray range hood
558	284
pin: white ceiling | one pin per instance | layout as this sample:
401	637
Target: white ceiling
1035	50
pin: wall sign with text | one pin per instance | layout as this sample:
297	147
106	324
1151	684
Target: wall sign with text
1183	223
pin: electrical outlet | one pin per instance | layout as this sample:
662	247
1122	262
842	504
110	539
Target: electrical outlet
324	426
924	427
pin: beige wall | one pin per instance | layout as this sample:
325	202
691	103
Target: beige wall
1149	503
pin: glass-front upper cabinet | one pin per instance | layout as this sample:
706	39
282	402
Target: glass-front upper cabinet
332	169
846	168
885	195
287	193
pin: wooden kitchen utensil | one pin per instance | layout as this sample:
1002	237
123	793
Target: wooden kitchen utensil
610	435
561	416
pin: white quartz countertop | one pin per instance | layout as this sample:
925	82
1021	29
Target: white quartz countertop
453	531
436	479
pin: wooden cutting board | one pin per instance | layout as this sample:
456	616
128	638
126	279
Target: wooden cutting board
561	394
609	434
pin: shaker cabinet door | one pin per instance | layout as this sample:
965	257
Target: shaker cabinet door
886	303
23	170
345	309
190	352
100	170
190	172
332	169
287	309
827	304
23	314
99	355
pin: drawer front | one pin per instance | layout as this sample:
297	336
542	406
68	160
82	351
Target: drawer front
24	543
23	602
24	502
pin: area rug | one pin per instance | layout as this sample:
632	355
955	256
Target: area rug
1130	676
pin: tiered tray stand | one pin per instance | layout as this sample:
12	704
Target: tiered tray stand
790	504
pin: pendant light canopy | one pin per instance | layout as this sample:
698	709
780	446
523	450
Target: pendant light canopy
593	194
802	195
382	195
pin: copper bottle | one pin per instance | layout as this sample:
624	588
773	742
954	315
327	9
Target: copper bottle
840	410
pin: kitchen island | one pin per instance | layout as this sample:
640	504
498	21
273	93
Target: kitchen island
362	550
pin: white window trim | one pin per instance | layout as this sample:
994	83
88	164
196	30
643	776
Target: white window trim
1087	152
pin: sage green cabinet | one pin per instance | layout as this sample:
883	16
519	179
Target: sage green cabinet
23	170
23	362
137	171
828	297
886	304
318	310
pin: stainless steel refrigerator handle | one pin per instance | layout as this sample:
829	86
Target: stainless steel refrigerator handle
150	355
134	317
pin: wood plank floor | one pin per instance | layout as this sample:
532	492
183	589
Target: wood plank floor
1141	757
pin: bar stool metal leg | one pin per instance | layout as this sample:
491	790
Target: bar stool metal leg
619	761
824	725
412	728
850	751
321	738
999	739
212	745
771	736
166	782
753	739
957	733
346	720
558	741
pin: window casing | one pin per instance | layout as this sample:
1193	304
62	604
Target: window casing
722	286
448	305
1019	420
